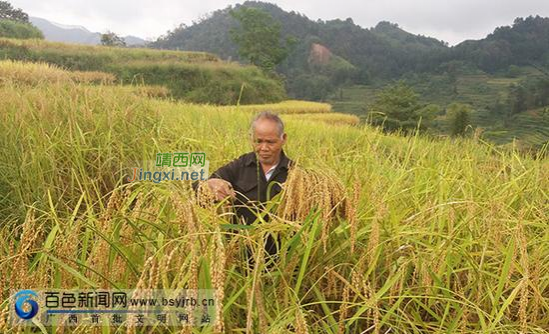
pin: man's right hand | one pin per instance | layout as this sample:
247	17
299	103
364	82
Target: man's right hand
221	188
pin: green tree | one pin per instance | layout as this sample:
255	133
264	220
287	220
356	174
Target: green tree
7	12
460	118
259	39
314	87
517	98
111	39
428	113
398	107
20	30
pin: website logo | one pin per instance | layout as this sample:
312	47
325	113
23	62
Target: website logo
26	306
126	307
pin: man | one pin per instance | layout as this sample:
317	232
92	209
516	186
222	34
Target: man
255	177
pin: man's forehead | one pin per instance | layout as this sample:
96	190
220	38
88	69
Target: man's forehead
266	128
266	123
266	135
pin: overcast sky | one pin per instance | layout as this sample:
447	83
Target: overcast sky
452	20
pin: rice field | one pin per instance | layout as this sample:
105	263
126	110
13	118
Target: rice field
197	77
290	107
35	73
114	54
332	118
379	233
480	90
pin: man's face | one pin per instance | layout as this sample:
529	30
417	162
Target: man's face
267	141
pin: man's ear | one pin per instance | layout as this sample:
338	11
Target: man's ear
284	137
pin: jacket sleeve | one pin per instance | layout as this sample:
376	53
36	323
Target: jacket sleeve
227	172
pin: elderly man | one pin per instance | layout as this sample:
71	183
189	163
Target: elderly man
255	177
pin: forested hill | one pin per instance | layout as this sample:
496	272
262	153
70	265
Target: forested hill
526	42
365	55
383	51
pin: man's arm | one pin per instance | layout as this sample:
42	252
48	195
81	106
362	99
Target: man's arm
226	172
220	182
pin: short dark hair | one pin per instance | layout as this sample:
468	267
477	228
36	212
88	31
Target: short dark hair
267	114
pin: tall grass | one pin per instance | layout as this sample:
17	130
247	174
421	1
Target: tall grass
438	236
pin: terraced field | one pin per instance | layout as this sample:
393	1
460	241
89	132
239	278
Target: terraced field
479	90
189	76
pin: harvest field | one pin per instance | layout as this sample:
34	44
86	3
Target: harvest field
445	236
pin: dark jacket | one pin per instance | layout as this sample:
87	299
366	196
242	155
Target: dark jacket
250	185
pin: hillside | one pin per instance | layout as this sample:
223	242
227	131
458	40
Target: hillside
489	96
191	76
381	52
524	43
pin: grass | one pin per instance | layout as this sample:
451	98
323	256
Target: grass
438	235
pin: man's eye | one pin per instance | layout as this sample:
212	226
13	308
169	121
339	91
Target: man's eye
268	142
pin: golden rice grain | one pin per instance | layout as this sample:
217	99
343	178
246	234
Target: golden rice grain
300	323
308	190
343	309
524	292
218	261
352	212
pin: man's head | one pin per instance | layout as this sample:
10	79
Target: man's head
268	137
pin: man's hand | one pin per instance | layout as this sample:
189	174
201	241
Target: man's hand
221	188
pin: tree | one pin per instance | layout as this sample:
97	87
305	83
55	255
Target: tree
19	30
460	118
397	107
7	12
428	113
517	98
259	38
111	39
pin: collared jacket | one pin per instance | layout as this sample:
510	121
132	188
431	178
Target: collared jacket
250	184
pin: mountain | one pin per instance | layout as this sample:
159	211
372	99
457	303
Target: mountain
526	42
381	50
360	54
57	32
